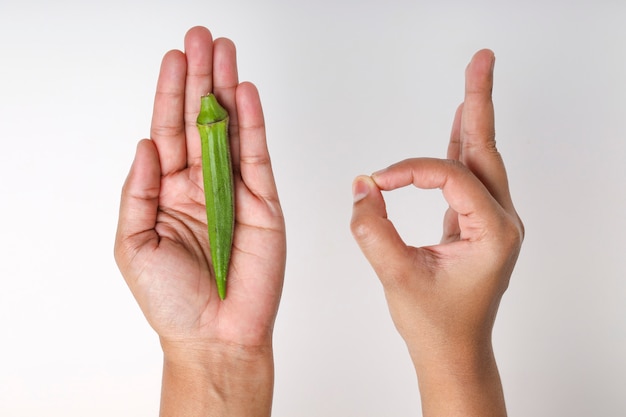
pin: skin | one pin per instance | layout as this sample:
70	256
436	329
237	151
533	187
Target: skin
444	298
218	357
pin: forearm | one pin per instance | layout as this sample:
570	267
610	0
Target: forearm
460	382
230	381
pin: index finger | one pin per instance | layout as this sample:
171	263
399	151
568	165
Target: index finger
465	194
167	129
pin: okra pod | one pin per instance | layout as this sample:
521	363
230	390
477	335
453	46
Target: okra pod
217	172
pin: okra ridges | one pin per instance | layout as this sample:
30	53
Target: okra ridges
218	186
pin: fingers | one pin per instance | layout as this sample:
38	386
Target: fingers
211	67
167	128
183	79
374	233
205	67
255	164
465	194
225	75
139	201
198	82
477	148
225	82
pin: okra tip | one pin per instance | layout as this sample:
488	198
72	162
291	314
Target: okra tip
210	110
221	290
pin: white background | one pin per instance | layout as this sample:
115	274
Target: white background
347	87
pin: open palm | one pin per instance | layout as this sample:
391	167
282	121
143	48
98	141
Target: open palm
162	243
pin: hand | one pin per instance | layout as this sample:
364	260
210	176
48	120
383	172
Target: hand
444	298
162	244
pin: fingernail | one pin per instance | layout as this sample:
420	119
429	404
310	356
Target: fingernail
379	172
360	189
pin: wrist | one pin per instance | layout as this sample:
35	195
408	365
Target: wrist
217	379
454	356
459	380
206	354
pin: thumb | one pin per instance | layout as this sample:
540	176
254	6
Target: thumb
139	202
374	233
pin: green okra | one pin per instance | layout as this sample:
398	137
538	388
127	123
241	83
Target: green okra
217	171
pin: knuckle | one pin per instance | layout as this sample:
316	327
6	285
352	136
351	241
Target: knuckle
166	130
457	166
121	251
512	232
361	228
255	160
